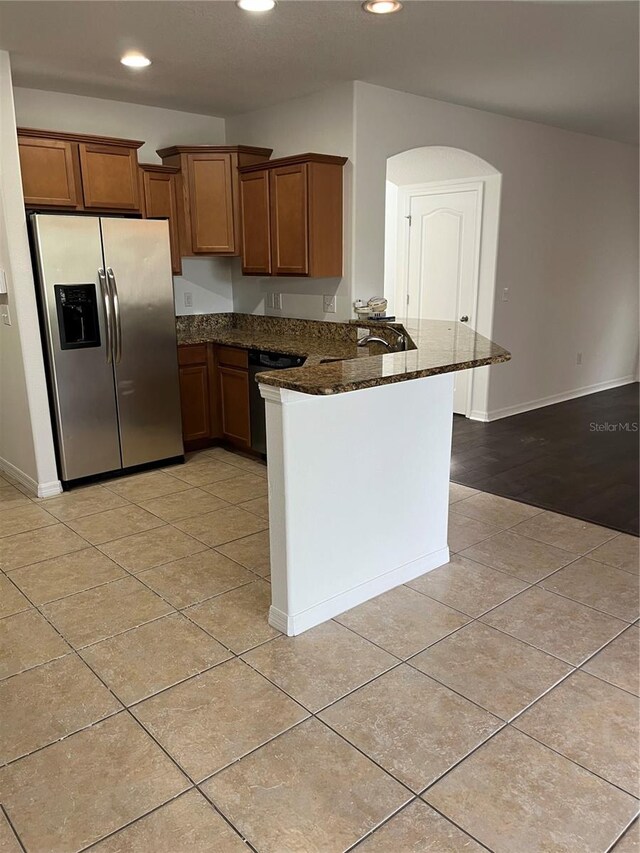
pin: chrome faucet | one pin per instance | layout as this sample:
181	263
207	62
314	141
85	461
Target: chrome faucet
400	344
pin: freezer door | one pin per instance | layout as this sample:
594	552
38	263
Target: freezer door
69	255
138	266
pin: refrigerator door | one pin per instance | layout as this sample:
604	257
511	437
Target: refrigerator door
69	255
138	266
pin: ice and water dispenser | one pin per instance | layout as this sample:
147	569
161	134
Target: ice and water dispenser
77	308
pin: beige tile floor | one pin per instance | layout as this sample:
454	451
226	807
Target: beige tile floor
146	705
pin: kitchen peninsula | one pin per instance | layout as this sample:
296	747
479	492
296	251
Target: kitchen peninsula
359	447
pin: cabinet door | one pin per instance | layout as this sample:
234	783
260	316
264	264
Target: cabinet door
194	400
48	172
256	223
289	220
109	176
211	204
160	203
234	397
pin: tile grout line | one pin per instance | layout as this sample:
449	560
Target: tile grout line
551	654
181	769
234	655
137	722
615	533
94	844
175	611
388	772
131	573
611	847
462	612
4	812
417	799
576	601
314	715
126	708
352	848
558	595
477	704
578	764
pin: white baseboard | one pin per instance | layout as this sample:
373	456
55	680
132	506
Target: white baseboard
507	411
40	490
299	622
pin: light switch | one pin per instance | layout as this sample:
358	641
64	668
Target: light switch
6	316
3	281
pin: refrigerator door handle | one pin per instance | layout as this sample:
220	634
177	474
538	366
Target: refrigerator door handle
104	287
116	315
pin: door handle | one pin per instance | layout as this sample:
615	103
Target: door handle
104	287
464	318
116	315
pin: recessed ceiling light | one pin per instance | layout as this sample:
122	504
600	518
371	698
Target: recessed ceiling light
382	7
135	60
256	5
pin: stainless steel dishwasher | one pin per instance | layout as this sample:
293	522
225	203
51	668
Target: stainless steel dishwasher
260	361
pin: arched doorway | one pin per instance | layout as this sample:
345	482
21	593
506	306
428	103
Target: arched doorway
441	236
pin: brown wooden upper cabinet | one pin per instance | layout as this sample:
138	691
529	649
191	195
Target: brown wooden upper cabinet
256	223
50	173
159	201
209	203
292	216
79	172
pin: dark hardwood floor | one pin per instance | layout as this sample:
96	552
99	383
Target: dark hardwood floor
576	458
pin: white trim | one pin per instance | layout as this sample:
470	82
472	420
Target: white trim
507	411
41	490
337	604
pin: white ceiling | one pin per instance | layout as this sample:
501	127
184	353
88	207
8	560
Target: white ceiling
570	64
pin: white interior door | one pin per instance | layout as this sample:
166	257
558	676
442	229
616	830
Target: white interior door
443	263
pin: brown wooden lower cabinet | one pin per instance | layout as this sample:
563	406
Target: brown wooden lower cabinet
194	396
214	393
234	405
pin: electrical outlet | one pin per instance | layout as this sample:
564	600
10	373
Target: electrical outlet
277	301
188	299
329	303
579	358
505	294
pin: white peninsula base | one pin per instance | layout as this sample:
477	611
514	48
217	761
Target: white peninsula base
358	494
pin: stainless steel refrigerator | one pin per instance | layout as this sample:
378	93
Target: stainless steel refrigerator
108	317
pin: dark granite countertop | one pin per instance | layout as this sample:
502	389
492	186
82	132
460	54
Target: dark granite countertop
435	346
315	340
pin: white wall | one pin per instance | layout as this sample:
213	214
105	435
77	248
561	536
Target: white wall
568	247
323	123
207	279
26	440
